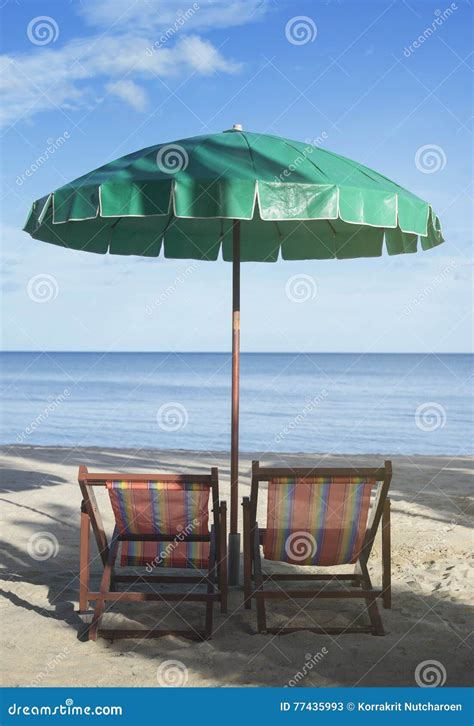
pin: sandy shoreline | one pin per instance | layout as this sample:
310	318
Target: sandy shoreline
432	584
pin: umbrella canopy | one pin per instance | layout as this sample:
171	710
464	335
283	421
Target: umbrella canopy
293	200
251	197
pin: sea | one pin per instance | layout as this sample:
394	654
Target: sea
290	402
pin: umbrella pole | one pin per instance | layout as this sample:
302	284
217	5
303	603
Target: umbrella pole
234	536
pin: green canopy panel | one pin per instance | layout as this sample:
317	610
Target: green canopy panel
294	200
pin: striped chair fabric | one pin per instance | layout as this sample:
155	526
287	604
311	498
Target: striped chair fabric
317	521
170	508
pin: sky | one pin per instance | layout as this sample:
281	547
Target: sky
97	79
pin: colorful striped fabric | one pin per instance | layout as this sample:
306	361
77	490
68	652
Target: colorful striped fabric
317	521
154	507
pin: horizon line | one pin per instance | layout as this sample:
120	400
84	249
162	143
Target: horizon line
246	352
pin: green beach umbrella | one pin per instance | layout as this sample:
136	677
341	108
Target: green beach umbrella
247	196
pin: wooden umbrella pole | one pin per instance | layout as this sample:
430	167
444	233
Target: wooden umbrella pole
234	536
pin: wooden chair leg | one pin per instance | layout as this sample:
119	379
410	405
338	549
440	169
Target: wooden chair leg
97	525
247	555
104	586
386	556
223	579
84	560
371	602
211	577
259	596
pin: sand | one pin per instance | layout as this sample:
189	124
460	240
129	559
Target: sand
432	586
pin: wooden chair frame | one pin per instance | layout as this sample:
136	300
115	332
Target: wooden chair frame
215	578
255	578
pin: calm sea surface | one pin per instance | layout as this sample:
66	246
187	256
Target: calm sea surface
341	403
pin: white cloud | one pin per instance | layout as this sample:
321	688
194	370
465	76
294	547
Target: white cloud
127	49
153	14
129	92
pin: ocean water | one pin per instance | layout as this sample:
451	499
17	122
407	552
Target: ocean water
340	403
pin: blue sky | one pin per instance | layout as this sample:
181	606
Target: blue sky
85	83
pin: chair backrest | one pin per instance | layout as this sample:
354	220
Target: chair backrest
159	507
321	516
162	520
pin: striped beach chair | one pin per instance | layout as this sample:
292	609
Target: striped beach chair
161	521
320	518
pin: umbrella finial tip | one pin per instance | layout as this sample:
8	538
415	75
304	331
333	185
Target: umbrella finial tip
237	127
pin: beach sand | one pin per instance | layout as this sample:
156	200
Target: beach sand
429	620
